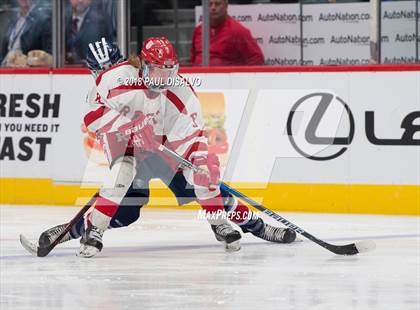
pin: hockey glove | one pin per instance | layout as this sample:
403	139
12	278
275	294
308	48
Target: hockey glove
209	173
140	134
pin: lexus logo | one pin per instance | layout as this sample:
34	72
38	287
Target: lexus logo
319	141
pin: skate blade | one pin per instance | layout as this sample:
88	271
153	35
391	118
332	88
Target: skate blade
233	246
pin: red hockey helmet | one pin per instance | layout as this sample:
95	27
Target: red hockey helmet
159	51
160	64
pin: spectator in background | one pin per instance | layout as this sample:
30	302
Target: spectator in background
85	23
110	11
231	44
27	40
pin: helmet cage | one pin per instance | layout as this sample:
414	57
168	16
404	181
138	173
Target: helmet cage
159	77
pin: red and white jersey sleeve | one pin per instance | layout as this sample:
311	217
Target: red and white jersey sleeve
175	114
184	123
115	81
99	118
110	98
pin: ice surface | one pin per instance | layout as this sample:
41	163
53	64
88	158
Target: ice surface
170	260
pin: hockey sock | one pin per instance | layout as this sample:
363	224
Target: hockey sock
241	215
103	212
124	216
78	229
214	209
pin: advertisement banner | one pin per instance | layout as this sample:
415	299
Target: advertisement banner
38	116
276	28
333	137
333	33
283	132
337	34
399	32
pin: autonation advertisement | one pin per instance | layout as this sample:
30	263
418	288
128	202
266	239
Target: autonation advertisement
333	33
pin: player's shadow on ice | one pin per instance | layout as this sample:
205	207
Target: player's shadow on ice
190	247
115	251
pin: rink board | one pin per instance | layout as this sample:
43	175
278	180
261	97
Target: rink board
329	198
362	157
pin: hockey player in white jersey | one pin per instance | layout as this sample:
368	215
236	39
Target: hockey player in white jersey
151	113
137	110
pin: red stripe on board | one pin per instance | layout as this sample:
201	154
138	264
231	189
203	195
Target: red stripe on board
65	71
280	69
359	68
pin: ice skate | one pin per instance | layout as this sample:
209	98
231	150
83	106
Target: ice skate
48	236
91	242
229	236
274	234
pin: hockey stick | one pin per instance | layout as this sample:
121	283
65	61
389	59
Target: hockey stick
348	249
44	251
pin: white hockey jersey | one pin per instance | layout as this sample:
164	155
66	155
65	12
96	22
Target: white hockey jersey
175	114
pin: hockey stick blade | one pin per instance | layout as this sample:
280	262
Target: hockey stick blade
44	251
34	249
349	249
365	246
28	245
